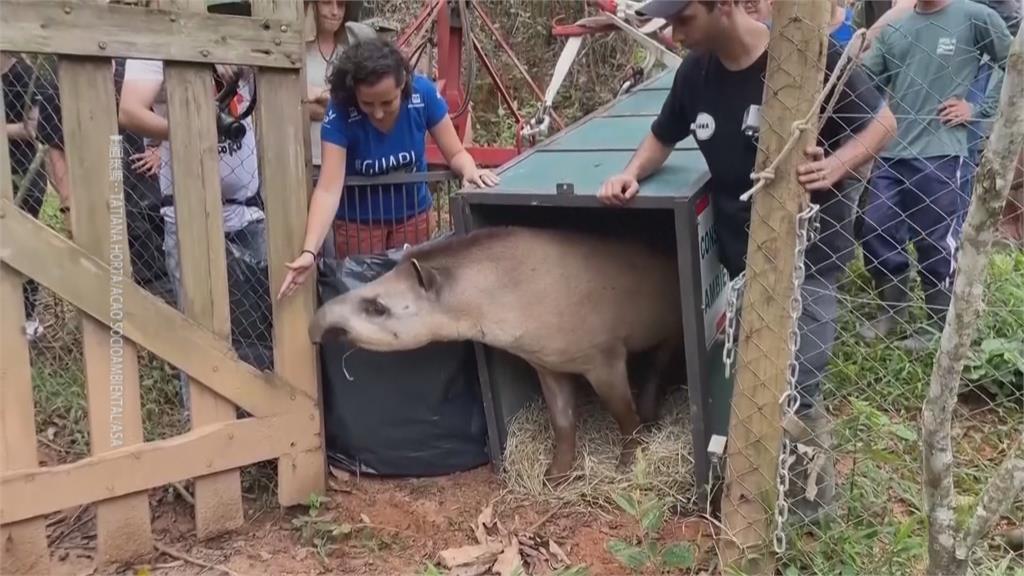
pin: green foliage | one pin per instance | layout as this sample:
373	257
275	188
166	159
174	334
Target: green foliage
649	514
318	528
431	570
996	362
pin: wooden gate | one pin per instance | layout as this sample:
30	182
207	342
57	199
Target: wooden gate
286	420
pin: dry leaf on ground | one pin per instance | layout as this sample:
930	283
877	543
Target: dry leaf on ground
509	559
559	553
467	555
483	522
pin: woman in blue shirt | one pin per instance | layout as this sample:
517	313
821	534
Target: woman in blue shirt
376	123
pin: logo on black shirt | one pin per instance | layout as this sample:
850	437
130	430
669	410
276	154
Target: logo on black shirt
704	126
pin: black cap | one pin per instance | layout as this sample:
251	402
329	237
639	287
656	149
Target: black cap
661	8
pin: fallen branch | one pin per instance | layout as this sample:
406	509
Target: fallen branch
386	528
991	187
51	444
183	493
74	523
545	518
1001	491
186	558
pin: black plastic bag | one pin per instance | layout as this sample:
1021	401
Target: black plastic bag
252	319
413	413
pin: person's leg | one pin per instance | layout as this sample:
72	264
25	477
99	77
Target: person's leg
32	203
174	271
812	473
884	243
935	207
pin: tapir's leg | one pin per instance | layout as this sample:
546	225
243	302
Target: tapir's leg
656	377
609	379
559	395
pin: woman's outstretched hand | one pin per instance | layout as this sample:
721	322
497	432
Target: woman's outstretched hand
298	271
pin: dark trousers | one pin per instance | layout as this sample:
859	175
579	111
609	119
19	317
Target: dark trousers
32	203
917	200
977	130
817	328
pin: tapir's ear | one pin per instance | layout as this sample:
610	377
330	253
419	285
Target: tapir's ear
426	276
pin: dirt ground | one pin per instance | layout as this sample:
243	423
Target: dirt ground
398	527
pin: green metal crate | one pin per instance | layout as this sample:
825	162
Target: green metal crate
555	184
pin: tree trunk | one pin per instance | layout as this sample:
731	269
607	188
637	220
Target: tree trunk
793	82
991	187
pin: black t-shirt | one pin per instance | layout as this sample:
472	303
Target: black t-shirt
16	95
709	101
51	129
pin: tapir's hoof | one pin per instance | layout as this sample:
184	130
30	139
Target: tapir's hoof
557	474
626	457
625	463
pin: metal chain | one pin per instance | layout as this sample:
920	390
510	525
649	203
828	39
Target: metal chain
807	227
731	309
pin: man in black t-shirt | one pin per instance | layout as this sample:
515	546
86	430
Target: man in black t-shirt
144	223
719	81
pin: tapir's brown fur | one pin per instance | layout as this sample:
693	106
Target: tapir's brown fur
568	303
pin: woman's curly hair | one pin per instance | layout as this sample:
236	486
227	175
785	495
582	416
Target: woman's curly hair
365	63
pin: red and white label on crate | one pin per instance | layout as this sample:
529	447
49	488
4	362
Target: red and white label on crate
714	280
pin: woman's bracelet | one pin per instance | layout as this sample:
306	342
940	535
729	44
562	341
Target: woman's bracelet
311	253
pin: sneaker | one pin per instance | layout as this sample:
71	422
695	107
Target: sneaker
812	488
33	329
926	337
893	296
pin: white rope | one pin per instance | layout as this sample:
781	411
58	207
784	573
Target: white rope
839	77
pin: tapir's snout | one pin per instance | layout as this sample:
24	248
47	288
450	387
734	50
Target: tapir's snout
320	325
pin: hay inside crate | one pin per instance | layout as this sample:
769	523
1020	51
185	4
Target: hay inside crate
663	467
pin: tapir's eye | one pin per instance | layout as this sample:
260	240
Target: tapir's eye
375	308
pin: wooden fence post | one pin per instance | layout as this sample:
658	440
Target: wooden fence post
24	548
204	287
280	121
98	218
792	83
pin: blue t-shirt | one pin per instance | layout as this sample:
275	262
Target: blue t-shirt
371	152
844	33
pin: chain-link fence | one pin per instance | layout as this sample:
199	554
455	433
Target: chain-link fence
834	324
53	326
375	215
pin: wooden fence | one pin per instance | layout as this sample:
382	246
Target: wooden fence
286	420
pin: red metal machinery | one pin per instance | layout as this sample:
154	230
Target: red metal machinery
452	34
453	31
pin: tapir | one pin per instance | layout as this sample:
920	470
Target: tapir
570	304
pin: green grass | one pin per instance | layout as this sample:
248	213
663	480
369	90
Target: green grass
876	391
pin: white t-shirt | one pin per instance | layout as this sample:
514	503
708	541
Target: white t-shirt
316	75
239	166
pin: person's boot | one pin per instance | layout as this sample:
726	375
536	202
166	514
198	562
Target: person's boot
936	302
893	295
812	482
